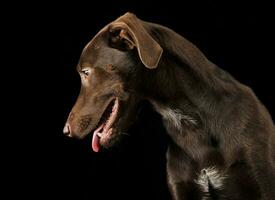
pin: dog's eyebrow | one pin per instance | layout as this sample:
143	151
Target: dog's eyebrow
78	67
85	65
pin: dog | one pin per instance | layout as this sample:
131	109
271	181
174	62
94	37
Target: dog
222	138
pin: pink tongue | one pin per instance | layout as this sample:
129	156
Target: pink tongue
95	141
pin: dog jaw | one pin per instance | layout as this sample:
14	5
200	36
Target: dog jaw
103	133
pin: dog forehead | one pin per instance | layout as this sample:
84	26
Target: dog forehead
98	40
102	36
91	51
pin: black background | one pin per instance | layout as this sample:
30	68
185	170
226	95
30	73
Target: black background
47	164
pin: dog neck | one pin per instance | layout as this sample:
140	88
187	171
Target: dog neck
186	85
174	117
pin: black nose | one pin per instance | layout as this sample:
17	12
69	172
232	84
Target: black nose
67	129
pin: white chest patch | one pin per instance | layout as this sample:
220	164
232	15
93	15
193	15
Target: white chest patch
174	116
210	177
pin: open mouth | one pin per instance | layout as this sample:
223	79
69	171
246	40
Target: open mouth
104	128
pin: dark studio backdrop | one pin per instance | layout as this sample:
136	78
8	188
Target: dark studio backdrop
236	37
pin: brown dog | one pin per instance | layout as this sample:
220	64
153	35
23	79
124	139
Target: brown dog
222	138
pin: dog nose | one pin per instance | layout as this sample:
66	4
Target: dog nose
67	129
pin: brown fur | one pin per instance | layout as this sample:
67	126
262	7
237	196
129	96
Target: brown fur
135	60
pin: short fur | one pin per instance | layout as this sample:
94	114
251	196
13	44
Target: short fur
214	121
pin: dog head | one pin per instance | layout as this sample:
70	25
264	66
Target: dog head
110	68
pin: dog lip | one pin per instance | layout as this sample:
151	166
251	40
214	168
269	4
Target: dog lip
102	117
112	116
104	129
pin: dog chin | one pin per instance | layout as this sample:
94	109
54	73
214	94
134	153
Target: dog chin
109	141
105	141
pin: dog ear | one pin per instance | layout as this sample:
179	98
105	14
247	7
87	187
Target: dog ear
120	39
130	29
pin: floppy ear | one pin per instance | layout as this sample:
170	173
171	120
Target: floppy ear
131	30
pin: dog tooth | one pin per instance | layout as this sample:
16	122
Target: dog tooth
99	134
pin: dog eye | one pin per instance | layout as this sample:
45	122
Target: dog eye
86	72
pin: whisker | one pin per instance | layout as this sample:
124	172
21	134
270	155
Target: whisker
124	133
